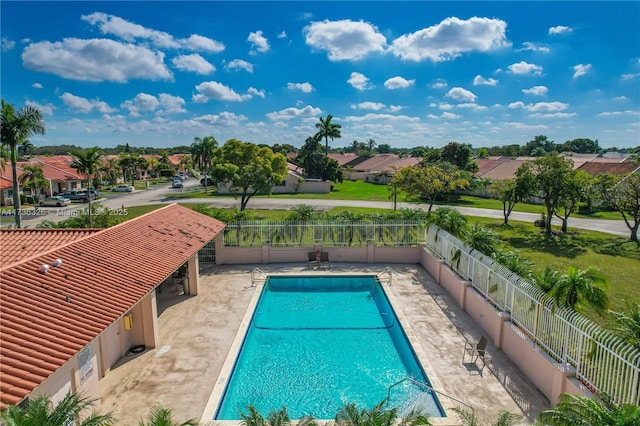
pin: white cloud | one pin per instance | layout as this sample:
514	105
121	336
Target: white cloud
481	81
95	60
620	98
439	84
256	92
527	45
523	67
37	86
258	42
359	81
84	105
194	63
128	31
451	38
374	106
462	95
345	40
171	103
201	43
536	91
239	64
540	106
217	91
289	113
580	70
282	35
143	102
560	29
305	87
398	83
449	115
630	76
7	44
617	113
395	108
224	119
44	109
381	117
554	115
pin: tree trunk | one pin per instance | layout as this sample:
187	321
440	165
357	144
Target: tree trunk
16	194
547	225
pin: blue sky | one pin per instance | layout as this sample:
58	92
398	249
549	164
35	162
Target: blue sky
402	73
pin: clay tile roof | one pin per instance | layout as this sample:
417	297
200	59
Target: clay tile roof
376	163
17	245
403	162
597	168
46	318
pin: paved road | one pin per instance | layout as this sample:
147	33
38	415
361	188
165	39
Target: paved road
161	194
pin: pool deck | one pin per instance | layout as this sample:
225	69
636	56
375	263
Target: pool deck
196	333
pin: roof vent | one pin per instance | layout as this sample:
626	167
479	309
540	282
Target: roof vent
44	268
57	263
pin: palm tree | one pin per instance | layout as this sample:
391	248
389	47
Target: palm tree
579	288
16	127
326	130
482	239
379	415
545	280
274	418
513	261
88	163
504	418
449	219
159	416
574	410
25	148
40	411
33	177
202	154
627	325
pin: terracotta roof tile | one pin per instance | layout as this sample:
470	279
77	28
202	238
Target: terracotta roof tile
46	318
597	168
17	245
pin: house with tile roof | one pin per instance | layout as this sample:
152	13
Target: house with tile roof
73	302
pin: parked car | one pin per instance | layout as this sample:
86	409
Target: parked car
82	196
177	183
123	188
55	201
209	181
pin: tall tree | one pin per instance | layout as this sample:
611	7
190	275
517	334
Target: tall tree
33	177
573	193
72	409
317	165
15	128
429	181
25	148
460	155
622	196
510	193
202	153
326	130
88	163
247	169
545	178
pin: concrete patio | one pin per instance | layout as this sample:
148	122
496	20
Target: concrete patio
196	333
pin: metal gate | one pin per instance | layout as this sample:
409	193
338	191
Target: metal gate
207	254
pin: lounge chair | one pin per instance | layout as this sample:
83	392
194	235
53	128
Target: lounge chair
476	351
312	259
324	258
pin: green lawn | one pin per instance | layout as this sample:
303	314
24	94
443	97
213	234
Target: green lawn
617	257
364	191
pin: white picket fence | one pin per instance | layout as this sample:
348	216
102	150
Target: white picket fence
603	361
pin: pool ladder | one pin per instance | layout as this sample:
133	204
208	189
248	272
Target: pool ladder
257	276
428	388
385	276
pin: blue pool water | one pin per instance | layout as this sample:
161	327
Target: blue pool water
316	343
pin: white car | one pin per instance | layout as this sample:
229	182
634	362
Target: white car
56	201
123	188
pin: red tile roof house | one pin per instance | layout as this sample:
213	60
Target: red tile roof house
73	302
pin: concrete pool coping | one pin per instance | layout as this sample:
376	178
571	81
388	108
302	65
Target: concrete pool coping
221	383
196	335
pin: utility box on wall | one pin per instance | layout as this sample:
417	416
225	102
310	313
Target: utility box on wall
128	322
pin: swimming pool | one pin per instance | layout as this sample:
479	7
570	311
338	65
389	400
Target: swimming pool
317	342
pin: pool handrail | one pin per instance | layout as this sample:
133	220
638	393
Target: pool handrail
257	275
417	382
389	272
